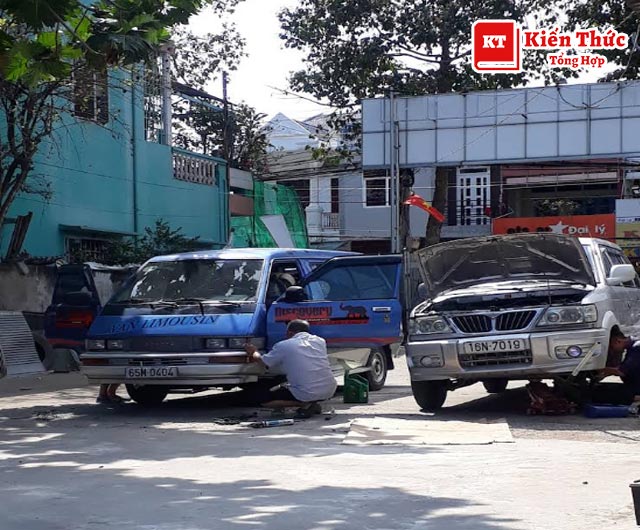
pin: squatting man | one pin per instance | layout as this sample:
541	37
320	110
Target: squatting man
302	357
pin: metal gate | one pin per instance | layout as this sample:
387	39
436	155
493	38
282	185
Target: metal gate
18	355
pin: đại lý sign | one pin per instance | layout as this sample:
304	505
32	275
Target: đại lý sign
601	226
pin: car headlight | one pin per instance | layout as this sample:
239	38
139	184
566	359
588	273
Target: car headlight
95	345
115	344
579	314
429	325
215	343
239	342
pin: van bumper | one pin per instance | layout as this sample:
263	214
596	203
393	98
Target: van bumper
193	369
545	356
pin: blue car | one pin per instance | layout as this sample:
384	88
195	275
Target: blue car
181	322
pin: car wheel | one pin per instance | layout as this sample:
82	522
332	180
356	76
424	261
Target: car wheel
148	395
495	386
377	376
430	395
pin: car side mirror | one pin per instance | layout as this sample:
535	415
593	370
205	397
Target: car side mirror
77	299
294	294
422	291
621	274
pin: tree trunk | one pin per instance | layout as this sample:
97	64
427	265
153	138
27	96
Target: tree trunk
439	202
444	85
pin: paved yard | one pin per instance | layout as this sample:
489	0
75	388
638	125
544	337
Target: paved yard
69	464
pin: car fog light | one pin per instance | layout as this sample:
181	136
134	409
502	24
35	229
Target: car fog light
574	351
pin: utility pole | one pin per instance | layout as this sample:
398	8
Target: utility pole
226	146
396	246
166	51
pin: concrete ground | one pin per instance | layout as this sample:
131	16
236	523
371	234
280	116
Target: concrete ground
69	464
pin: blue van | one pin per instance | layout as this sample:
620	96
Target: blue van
181	322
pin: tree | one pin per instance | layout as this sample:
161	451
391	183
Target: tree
362	48
157	240
46	44
199	124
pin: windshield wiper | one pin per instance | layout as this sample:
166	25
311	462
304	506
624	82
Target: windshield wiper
187	300
142	301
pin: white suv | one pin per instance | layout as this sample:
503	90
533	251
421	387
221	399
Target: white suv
525	306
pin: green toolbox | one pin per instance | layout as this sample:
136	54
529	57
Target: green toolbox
356	389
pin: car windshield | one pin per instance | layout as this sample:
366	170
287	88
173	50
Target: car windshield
222	281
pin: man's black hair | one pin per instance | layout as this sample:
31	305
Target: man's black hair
298	326
616	333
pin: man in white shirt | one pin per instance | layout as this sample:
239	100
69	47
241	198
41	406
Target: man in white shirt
302	357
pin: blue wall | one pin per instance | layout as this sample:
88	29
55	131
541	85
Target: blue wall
94	173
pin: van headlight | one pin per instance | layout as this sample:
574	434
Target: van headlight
239	342
95	345
566	315
429	325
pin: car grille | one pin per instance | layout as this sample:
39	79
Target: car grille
473	323
479	323
515	320
478	360
161	344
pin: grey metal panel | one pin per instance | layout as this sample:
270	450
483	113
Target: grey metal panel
545	123
373	115
511	142
605	137
480	143
416	111
373	150
631	134
420	145
18	355
541	139
510	107
572	138
450	145
542	105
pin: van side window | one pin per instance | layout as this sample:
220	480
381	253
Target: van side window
284	274
362	282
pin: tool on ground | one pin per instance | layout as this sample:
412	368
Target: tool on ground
271	423
572	387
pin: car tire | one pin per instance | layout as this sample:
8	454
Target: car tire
430	395
495	386
377	376
147	395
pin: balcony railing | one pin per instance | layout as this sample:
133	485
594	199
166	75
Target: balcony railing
330	221
193	167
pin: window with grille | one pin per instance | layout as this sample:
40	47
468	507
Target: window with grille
474	196
85	249
91	94
301	187
377	191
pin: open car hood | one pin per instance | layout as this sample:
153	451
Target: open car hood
466	262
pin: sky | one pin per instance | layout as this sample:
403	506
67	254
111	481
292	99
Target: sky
268	63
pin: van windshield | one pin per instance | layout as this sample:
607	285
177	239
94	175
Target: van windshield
222	281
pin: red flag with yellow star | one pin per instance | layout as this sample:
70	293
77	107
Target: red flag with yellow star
416	200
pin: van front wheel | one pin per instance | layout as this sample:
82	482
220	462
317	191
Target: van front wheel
148	395
430	395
